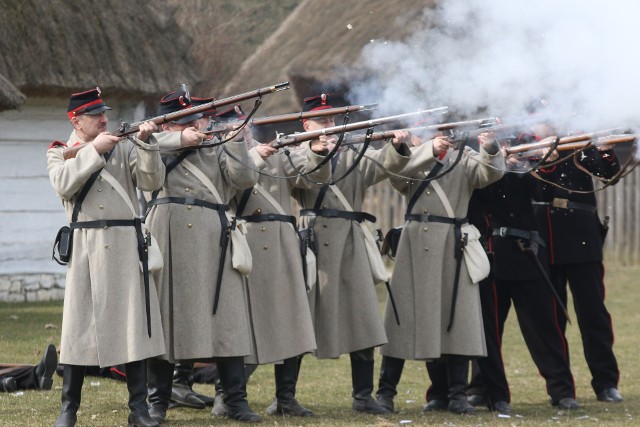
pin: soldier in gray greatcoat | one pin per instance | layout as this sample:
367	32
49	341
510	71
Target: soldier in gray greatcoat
424	274
203	298
111	314
282	328
344	304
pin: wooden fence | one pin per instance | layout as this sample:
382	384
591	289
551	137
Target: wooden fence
620	202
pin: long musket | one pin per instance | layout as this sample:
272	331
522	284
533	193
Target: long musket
290	117
486	125
127	129
296	138
585	137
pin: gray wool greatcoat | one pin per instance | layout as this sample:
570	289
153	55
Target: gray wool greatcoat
189	239
280	316
424	270
104	318
344	305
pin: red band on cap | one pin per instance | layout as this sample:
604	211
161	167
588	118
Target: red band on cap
80	110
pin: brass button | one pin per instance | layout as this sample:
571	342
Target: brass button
326	244
258	211
189	225
425	229
426	249
187	189
324	225
255	191
99	190
186	172
265	247
106	226
106	246
263	228
425	211
189	207
101	207
428	193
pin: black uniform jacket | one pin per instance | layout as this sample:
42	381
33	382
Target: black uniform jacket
574	234
507	203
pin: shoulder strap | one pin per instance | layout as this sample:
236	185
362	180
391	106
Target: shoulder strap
244	199
324	188
443	198
120	189
343	200
85	189
423	185
204	179
171	166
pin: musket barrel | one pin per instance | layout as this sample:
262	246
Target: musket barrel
296	138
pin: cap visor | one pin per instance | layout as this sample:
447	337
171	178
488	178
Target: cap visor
187	119
99	109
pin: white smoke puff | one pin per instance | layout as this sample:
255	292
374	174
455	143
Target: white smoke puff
501	54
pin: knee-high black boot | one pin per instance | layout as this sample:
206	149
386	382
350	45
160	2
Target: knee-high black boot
72	379
219	408
182	393
137	385
458	374
234	384
159	377
362	381
438	392
390	373
286	375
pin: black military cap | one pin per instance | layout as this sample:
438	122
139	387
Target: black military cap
320	102
199	101
88	102
177	101
231	114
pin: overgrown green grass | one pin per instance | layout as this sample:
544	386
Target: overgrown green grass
325	386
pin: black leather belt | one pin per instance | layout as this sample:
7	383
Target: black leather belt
532	236
270	217
224	235
435	218
567	204
188	201
334	213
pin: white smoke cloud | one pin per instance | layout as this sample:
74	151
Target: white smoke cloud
580	54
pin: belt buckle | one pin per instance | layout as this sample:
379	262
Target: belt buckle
502	231
560	203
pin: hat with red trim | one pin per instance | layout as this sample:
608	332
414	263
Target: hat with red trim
320	102
231	114
89	102
199	101
177	101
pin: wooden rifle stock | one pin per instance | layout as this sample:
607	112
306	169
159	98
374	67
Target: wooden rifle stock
578	145
127	129
296	138
523	148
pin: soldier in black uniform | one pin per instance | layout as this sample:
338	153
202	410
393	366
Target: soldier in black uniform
504	215
15	377
567	215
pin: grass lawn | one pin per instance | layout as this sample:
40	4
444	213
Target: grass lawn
325	386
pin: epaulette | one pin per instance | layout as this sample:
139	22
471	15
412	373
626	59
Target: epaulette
56	144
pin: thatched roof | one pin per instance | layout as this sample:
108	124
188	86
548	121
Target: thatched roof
10	96
225	33
129	48
317	40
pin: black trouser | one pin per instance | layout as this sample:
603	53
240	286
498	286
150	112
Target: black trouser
586	281
538	314
24	376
